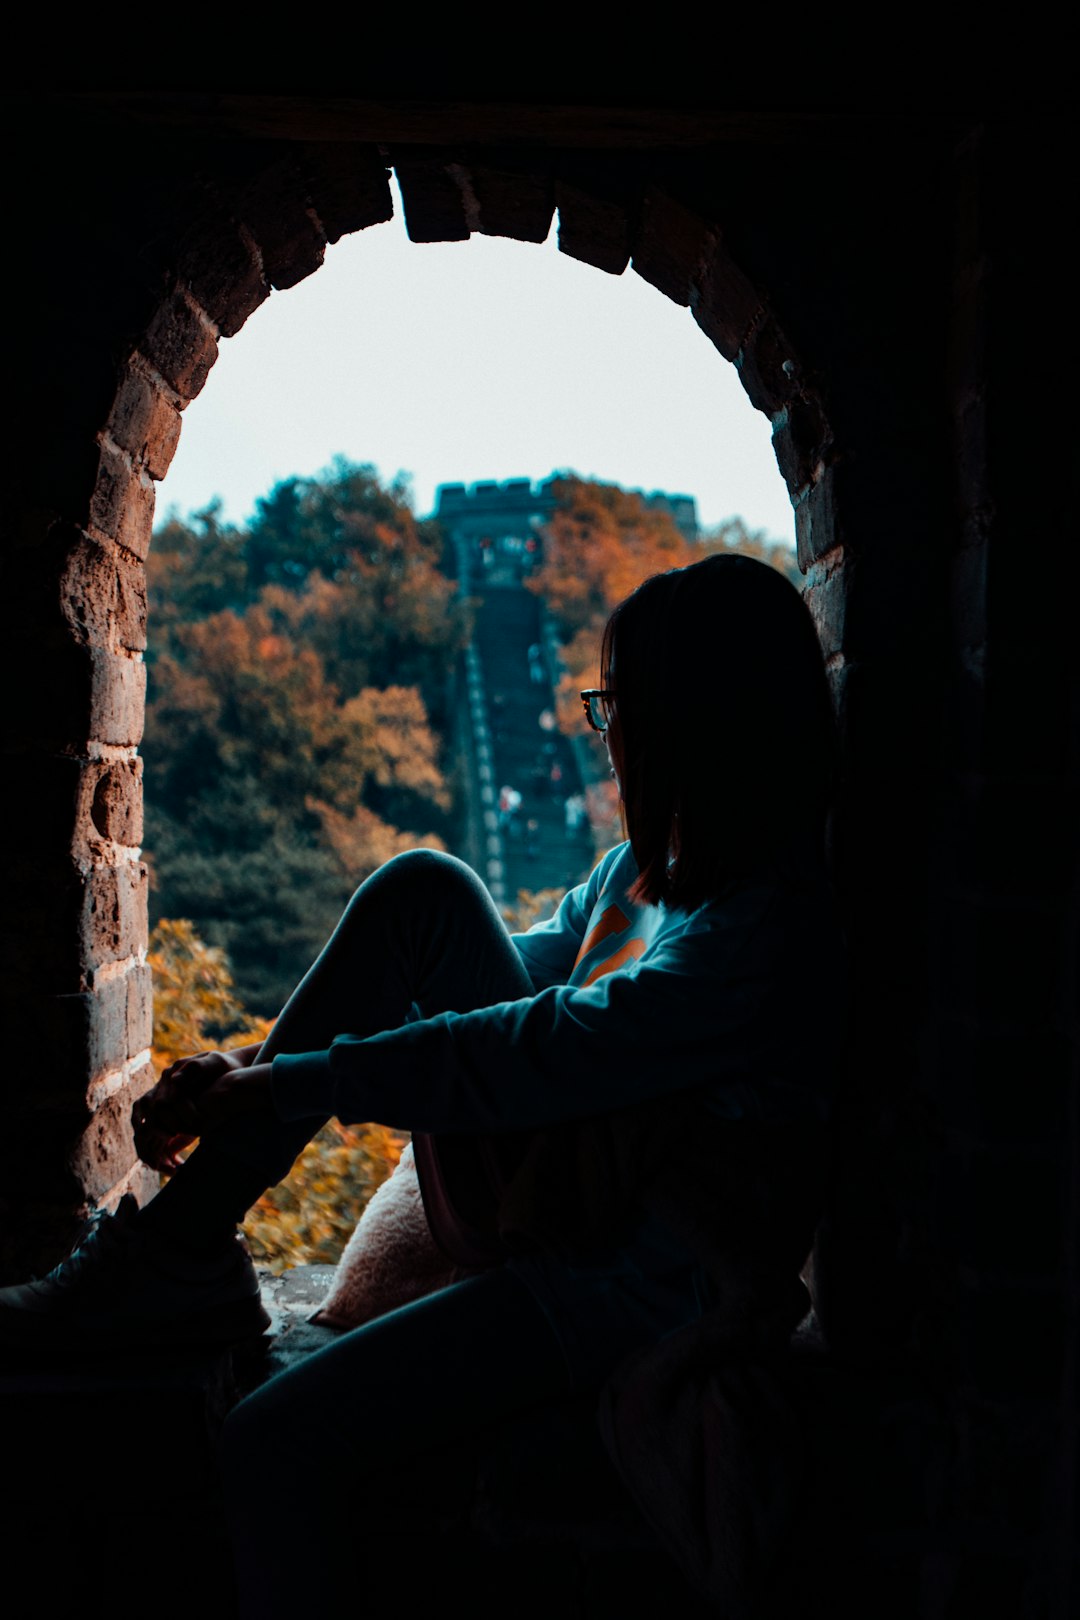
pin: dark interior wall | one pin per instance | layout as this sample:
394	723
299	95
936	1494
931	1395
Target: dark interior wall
884	287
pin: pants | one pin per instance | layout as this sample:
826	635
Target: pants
339	1466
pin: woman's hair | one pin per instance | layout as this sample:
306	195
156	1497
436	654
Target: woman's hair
723	733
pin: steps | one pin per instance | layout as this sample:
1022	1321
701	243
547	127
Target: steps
530	849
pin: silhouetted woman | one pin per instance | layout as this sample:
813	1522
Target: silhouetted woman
546	1084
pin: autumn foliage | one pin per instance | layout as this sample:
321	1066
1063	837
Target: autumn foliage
309	1216
298	717
601	543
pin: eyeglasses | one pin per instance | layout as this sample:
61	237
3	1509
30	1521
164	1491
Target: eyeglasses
595	699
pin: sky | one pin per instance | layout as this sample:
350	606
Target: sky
458	361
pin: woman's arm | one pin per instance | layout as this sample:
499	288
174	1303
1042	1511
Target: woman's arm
713	1006
170	1116
549	950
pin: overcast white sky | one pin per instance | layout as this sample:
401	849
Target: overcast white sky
481	359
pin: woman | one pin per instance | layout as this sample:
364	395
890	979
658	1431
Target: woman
541	1080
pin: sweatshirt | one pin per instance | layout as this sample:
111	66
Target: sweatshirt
631	1002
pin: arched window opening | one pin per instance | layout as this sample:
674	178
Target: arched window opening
336	675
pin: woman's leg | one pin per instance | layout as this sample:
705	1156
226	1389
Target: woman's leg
377	1436
423	931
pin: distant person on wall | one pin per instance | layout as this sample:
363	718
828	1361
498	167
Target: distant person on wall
659	1005
509	809
574	814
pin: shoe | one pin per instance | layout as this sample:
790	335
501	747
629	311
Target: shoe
123	1287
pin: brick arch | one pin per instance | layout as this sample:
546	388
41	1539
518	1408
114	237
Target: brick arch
241	236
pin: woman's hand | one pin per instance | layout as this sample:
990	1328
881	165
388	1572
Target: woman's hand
233	1095
180	1107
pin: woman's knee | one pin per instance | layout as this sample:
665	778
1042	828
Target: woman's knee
423	875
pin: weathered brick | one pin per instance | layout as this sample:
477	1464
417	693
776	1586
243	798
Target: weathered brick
816	528
131	411
110	490
117	698
178	344
724	302
801	439
513	201
62	700
135	528
102	593
144	422
767	367
349	186
593	228
673	245
275	208
162	438
105	1011
88	589
431	197
113	921
222	266
116	808
105	1150
129	621
826	596
140	1008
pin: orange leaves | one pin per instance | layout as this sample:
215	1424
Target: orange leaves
194	1004
401	747
308	1218
599	545
361	842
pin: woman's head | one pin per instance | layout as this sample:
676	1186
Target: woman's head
721	729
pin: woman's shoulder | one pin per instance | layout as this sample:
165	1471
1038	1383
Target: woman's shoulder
767	904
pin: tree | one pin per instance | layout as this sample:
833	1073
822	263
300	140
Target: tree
291	742
194	1003
308	1217
194	569
600	543
733	536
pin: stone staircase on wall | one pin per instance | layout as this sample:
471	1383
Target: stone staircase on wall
513	748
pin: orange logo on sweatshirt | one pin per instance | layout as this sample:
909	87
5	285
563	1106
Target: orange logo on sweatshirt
626	953
611	921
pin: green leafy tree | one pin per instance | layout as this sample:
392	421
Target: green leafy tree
194	569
